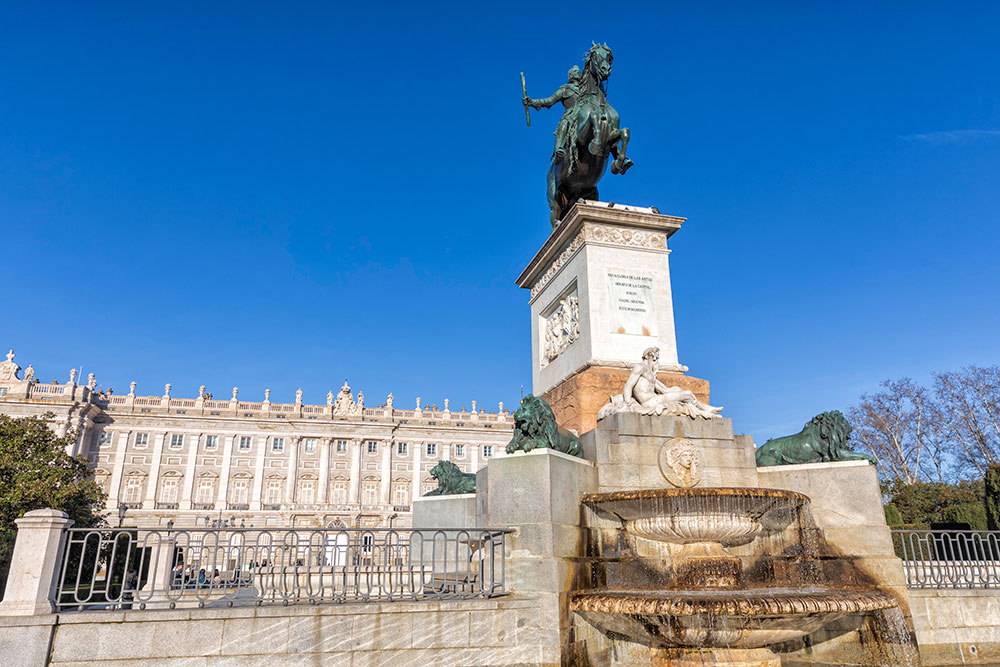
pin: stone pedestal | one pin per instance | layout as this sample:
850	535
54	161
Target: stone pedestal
846	505
456	511
631	453
577	399
600	295
538	494
34	566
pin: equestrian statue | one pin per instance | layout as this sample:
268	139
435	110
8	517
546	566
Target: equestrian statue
587	134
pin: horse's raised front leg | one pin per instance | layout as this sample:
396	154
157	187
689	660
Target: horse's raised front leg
622	162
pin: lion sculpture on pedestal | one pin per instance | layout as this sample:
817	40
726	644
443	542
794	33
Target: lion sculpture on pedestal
535	428
451	480
824	438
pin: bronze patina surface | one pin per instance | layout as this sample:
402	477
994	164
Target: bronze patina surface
587	134
824	438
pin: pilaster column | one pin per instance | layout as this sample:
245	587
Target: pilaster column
386	476
473	458
256	498
227	462
417	447
34	565
114	493
293	461
154	472
192	459
445	452
354	490
325	445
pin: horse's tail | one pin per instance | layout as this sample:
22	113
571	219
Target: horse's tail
571	136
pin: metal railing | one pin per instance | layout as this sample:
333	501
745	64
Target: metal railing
949	558
127	568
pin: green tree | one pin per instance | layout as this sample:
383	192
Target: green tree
992	493
924	503
35	473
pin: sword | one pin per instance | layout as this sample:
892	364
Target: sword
524	91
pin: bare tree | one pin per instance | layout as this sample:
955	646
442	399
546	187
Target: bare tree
967	405
899	426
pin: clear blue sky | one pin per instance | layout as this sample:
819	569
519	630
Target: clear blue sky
285	195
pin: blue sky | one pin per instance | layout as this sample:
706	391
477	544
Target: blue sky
288	195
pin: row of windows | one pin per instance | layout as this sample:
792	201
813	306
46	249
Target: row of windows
278	444
273	492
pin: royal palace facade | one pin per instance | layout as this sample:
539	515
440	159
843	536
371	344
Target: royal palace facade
198	461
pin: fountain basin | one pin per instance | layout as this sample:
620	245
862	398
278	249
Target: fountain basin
750	618
729	516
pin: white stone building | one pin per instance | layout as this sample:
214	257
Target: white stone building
199	460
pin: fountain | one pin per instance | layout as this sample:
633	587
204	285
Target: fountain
680	571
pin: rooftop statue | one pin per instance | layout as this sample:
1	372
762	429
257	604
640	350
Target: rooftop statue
646	395
451	480
586	134
824	438
535	428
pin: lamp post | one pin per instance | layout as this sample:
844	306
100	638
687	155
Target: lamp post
122	508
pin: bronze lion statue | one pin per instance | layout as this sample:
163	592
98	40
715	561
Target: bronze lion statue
823	438
535	428
451	480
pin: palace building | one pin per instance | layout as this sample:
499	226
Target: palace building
198	461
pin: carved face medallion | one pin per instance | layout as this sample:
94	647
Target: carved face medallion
681	462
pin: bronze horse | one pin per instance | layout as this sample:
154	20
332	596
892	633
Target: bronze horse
593	135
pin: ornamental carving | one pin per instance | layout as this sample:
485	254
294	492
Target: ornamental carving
345	405
562	328
605	234
557	264
631	238
681	462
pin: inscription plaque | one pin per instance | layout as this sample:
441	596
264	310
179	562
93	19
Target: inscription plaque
631	296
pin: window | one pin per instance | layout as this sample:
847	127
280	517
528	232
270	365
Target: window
273	495
340	492
103	481
432	449
133	490
307	492
459	450
372	447
104	440
141	439
176	441
369	493
3	391
341	446
245	441
241	491
428	487
487	451
211	441
168	494
401	495
277	444
206	491
401	448
310	445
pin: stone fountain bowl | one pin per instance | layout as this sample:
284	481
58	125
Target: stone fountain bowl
744	619
704	514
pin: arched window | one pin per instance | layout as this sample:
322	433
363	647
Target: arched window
369	492
168	490
340	491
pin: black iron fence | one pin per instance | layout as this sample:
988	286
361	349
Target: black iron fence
140	569
949	558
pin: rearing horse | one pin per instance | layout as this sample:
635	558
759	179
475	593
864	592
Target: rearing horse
593	135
